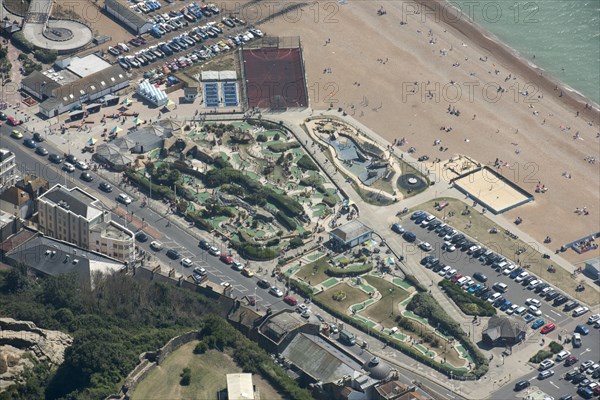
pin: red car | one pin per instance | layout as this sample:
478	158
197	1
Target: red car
226	259
548	328
455	278
290	300
570	361
13	121
597	391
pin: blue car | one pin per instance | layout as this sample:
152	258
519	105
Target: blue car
398	228
528	318
409	236
420	219
582	329
417	214
538	323
515	273
474	288
505	306
500	301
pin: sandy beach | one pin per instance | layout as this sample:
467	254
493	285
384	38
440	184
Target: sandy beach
400	79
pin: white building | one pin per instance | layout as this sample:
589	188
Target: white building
75	216
8	169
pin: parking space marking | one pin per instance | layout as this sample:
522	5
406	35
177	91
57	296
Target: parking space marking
553	384
555	312
241	288
532	378
585	351
550	318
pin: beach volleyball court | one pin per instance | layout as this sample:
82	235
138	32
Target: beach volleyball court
274	75
492	190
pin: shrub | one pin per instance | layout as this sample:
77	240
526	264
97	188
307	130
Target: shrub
186	376
296	242
45	56
255	252
330	200
261	138
306	163
354	270
540	356
340	295
555	347
201	348
283	147
467	303
286	221
19	41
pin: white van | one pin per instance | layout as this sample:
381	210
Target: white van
500	287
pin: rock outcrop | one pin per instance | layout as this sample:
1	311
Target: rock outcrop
22	341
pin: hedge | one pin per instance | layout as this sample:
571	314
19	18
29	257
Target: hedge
540	356
286	221
555	347
255	252
200	222
18	39
306	163
285	203
283	147
413	281
158	191
469	304
390	340
349	271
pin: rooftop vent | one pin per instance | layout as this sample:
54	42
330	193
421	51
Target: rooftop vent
75	261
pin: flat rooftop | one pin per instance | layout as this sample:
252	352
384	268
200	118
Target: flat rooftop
87	65
73	200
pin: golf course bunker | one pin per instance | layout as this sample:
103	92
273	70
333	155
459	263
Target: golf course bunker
492	190
411	182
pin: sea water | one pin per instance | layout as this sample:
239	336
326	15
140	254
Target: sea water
562	37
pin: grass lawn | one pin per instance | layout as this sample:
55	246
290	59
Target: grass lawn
381	311
208	376
353	296
502	243
314	272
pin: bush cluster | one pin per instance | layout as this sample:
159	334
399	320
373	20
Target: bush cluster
540	356
355	270
469	304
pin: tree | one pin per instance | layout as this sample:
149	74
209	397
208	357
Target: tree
296	242
45	56
186	377
16	280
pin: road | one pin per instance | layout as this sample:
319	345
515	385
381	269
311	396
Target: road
174	237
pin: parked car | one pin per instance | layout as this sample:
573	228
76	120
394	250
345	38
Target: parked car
212	250
425	246
263	283
42	151
545	374
480	277
55	159
562	355
82	165
248	272
173	254
570	361
275	291
290	300
549	327
546	364
582	329
204	245
227	259
409	236
156	245
579	311
521	385
30	143
398	228
123	198
186	262
68	167
71	159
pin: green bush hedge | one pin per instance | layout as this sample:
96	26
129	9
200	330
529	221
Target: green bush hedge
254	252
45	56
200	222
306	163
555	347
355	270
283	147
144	184
468	303
540	356
18	39
286	221
413	281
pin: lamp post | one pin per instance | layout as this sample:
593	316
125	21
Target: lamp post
393	305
